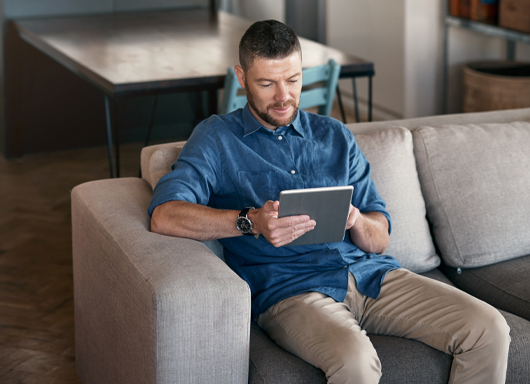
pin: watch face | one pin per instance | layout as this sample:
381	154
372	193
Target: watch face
244	225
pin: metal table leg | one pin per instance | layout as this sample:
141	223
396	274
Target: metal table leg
151	121
339	98
370	98
116	137
109	135
445	64
355	101
212	101
510	50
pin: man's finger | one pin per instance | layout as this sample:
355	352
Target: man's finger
291	221
291	233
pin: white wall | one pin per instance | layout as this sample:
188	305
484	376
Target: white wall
423	42
372	30
404	40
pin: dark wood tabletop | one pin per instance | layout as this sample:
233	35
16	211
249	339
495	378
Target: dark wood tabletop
154	52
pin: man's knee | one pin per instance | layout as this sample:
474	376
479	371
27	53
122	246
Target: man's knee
500	331
355	365
490	328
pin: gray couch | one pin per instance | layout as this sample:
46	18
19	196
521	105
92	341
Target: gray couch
157	309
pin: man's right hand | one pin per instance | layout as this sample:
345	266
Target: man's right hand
279	231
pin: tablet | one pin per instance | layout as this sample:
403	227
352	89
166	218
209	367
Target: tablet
328	206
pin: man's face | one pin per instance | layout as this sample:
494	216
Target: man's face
273	89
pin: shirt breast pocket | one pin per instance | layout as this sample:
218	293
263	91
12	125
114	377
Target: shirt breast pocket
255	188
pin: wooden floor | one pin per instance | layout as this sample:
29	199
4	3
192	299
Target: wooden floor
36	296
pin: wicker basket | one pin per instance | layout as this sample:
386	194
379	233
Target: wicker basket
495	85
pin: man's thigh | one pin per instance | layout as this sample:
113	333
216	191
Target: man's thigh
324	333
423	309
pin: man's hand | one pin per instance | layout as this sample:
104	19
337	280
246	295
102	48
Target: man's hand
279	231
352	216
368	231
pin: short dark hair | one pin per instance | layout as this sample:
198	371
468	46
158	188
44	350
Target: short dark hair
268	39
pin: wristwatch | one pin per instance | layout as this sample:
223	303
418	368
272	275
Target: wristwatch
243	223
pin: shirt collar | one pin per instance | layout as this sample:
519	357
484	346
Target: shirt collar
251	125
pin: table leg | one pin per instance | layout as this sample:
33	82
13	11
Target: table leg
355	101
339	98
151	121
212	101
510	50
370	98
109	135
116	137
196	102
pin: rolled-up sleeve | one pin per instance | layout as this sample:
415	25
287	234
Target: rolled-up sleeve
194	175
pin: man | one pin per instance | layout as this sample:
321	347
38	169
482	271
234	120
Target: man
316	301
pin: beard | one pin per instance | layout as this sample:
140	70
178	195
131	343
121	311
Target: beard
265	115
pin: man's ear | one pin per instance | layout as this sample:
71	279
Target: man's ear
240	73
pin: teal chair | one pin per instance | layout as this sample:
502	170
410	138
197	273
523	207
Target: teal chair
321	97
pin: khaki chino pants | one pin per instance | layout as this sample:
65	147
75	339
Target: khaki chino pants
333	336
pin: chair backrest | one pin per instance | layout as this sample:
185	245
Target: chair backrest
322	97
231	100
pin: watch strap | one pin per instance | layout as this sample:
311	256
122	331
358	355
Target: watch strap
244	212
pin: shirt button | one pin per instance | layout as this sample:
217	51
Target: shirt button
280	138
293	171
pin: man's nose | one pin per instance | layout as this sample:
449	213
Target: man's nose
282	93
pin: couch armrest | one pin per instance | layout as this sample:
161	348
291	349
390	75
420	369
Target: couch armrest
151	308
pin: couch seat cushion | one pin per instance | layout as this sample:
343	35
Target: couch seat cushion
504	285
518	362
476	184
391	157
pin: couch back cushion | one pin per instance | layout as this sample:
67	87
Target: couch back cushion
160	161
476	184
391	157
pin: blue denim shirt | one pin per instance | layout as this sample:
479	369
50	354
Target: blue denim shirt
232	162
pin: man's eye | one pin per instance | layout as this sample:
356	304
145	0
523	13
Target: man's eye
294	81
265	85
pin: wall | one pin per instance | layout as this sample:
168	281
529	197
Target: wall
372	30
403	38
422	64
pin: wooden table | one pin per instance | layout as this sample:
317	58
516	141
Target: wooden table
139	53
